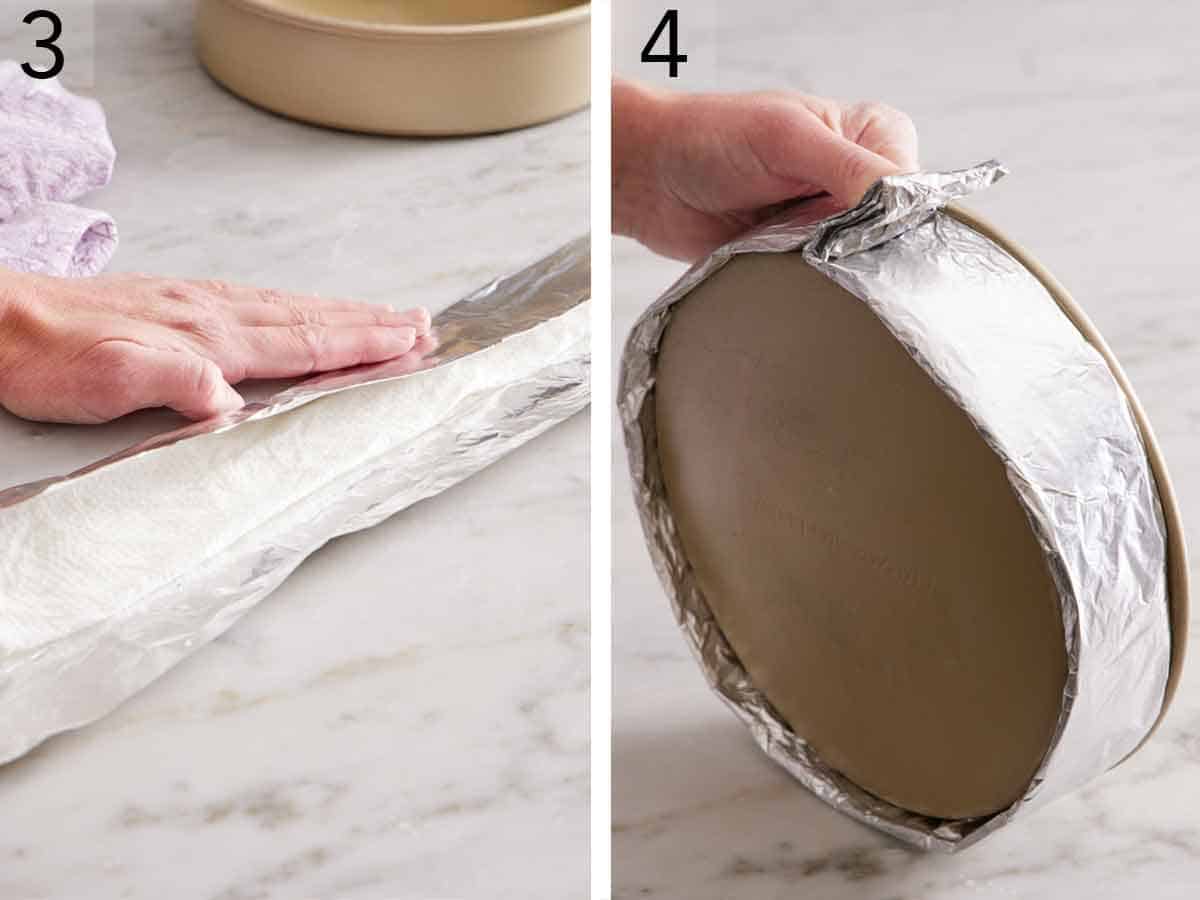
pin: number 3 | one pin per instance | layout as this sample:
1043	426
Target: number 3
46	43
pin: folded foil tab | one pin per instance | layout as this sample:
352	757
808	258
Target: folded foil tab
112	574
1049	407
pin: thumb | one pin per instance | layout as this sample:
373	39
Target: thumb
803	142
845	169
191	385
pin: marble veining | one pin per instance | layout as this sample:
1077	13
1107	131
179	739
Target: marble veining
406	718
1091	106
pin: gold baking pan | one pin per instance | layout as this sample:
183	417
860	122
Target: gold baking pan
1177	568
403	67
853	557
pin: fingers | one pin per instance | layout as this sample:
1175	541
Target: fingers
885	131
843	168
117	377
290	350
841	150
274	334
253	333
856	170
257	314
270	307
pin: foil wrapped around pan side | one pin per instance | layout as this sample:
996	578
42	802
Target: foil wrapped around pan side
991	336
74	680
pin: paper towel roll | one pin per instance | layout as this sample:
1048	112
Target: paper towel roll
110	576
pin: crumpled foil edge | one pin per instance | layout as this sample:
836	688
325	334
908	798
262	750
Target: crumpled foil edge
57	687
1083	744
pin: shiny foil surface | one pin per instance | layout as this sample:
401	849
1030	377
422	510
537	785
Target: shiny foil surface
991	336
75	680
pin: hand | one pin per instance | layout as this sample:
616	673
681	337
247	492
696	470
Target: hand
93	349
692	171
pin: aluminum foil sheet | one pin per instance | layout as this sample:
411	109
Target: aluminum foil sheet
990	335
76	679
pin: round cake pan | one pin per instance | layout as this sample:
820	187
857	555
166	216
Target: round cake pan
419	67
909	511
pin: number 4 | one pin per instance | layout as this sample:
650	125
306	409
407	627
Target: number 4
670	24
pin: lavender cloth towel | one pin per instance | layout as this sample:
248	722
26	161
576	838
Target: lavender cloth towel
54	148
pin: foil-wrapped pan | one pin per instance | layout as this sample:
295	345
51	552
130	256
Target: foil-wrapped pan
516	357
1051	407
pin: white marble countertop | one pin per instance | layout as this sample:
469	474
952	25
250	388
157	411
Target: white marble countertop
406	718
1093	108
